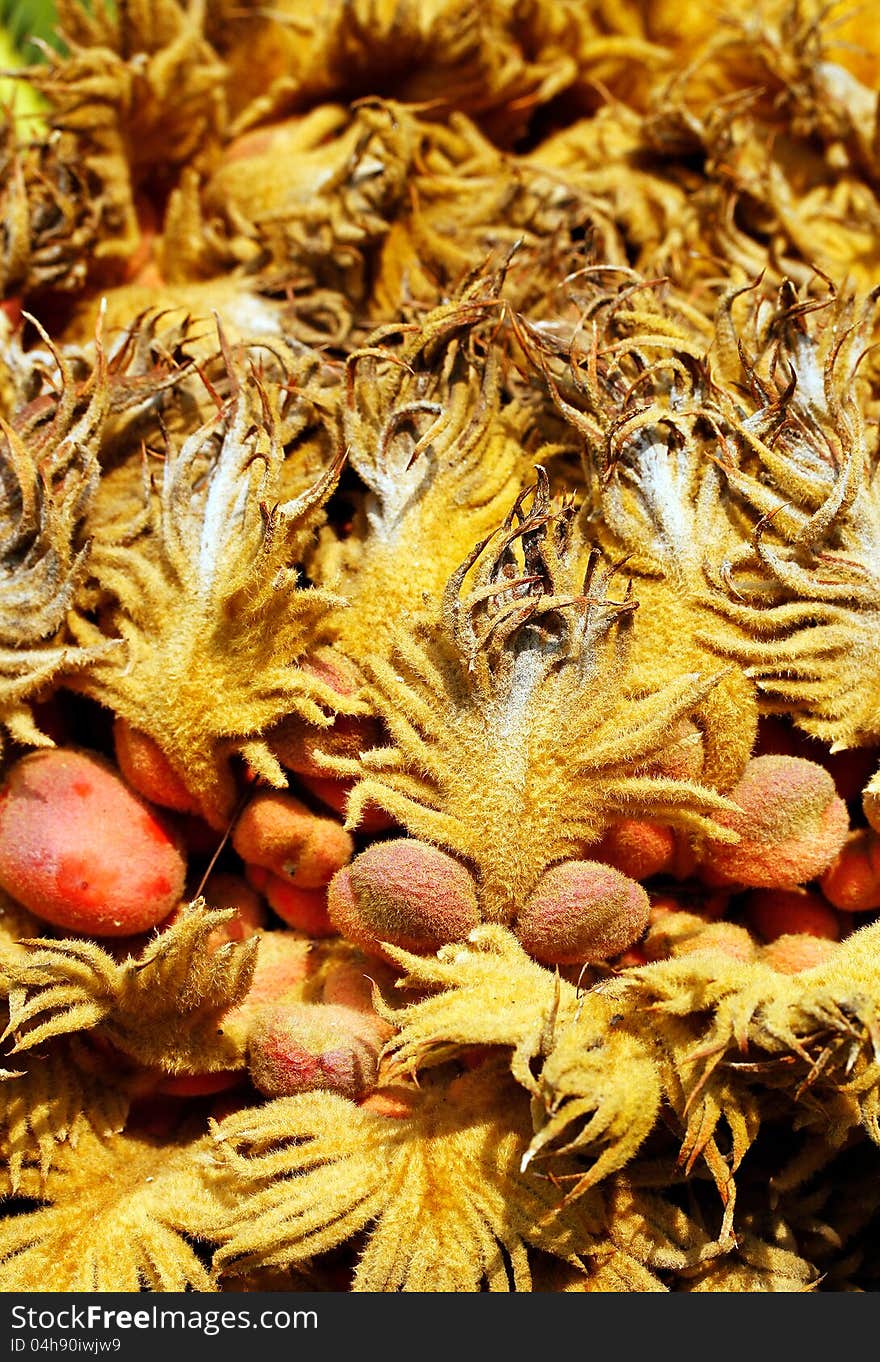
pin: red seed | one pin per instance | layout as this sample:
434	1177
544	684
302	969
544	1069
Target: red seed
404	892
81	850
147	769
334	793
303	909
281	834
582	911
782	912
305	1046
349	983
281	976
791	825
852	881
637	847
225	890
797	951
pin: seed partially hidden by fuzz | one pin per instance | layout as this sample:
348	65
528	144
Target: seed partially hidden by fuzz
281	834
638	847
792	825
225	890
147	769
582	911
404	892
81	850
305	1046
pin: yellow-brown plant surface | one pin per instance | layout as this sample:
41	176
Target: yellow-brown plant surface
440	531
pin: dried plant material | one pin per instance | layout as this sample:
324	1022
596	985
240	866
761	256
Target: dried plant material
247	313
48	477
311	232
520	686
435	1177
494	62
755	1266
427	431
471	206
801	597
50	224
527	1002
121	1214
456	421
729	1031
208	603
162	1008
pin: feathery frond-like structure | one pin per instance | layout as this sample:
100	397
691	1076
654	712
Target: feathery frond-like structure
630	374
801	597
48	479
461	419
208	602
426	428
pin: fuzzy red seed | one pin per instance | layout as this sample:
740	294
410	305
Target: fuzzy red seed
791	825
81	850
852	881
404	892
582	911
299	1048
350	983
728	938
637	847
281	834
147	769
782	912
303	909
281	976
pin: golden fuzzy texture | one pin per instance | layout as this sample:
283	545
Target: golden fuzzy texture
521	678
161	1008
630	375
48	1101
119	1216
468	410
426	430
48	479
437	1183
